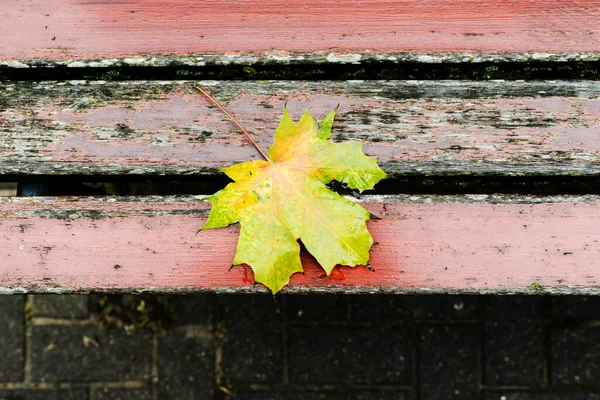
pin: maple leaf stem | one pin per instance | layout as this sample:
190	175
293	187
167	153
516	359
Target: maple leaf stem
235	121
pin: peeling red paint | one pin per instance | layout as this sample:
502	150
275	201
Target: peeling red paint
437	246
168	131
337	274
70	29
248	276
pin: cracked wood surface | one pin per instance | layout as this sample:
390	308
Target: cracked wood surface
414	127
96	29
481	244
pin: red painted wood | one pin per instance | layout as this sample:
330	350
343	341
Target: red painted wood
549	135
74	29
442	245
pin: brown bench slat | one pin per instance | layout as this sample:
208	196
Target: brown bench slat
72	30
427	127
491	244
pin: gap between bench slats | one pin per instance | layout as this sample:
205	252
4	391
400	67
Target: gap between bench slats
479	244
414	127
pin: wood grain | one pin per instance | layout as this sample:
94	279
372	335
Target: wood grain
490	244
96	29
414	127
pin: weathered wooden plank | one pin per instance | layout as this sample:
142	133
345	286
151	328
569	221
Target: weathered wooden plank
424	127
490	244
95	29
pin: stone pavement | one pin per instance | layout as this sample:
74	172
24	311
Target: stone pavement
299	347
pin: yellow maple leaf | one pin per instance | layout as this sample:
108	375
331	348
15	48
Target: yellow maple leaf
284	199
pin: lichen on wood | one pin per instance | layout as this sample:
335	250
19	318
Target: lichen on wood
414	127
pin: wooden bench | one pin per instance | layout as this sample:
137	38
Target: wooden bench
487	113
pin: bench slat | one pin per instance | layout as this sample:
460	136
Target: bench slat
482	244
424	127
70	29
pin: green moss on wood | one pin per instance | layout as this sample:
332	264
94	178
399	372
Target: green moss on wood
537	288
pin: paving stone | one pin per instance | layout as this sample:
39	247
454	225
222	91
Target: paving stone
61	306
321	308
356	355
575	355
499	395
12	338
252	339
196	309
287	396
132	311
449	362
186	364
514	340
515	331
382	395
377	308
86	353
123	394
576	307
39	394
446	307
394	307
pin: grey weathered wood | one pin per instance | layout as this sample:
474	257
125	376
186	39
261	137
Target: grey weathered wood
425	127
304	59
